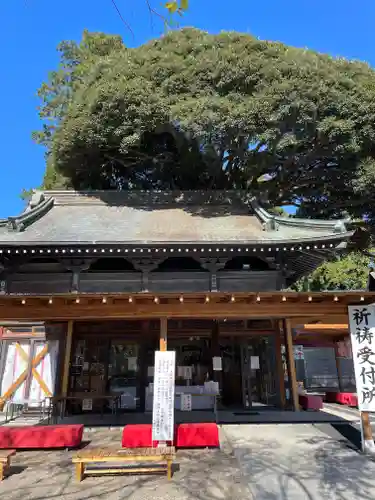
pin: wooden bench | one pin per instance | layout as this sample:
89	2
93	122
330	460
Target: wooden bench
143	455
5	461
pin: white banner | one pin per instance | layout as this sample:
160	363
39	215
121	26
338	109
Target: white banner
47	372
163	404
362	334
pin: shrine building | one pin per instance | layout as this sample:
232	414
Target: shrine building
92	283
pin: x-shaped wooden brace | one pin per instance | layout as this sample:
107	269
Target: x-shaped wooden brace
35	362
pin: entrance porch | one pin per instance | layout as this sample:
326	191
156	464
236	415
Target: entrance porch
107	345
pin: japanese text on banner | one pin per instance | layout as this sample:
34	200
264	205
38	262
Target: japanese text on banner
163	403
362	333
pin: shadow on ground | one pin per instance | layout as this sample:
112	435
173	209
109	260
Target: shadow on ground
300	462
199	475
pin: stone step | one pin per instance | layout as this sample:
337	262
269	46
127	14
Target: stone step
22	421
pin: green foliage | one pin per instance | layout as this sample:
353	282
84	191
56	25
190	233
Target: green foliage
177	6
76	60
26	194
193	110
279	211
348	272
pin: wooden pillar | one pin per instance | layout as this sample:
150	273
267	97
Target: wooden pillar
163	334
367	438
291	364
68	351
215	352
279	366
145	338
338	367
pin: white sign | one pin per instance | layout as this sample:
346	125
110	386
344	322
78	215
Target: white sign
86	404
217	364
211	387
298	352
185	402
254	362
188	375
344	349
163	404
362	334
185	372
132	364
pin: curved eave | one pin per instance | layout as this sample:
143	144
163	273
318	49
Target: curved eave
318	241
303	263
335	225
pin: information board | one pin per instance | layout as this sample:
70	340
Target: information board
86	404
163	403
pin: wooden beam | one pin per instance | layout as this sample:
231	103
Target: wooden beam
163	334
311	322
291	363
67	355
34	310
317	327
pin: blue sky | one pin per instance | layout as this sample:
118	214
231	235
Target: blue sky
31	30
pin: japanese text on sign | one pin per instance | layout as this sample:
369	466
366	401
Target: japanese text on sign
362	333
163	404
186	402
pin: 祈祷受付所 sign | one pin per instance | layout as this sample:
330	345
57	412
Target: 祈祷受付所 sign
362	334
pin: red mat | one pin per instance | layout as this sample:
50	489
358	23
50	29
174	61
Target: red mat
347	398
186	436
197	436
344	398
310	402
138	436
41	436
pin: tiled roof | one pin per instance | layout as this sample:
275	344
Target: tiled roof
58	217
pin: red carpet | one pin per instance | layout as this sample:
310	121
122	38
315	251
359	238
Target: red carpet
347	398
197	436
344	398
186	436
41	436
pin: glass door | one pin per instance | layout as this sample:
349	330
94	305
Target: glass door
258	366
124	376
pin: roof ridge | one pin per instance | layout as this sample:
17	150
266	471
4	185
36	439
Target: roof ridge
150	198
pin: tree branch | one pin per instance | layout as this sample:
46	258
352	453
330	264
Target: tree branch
121	17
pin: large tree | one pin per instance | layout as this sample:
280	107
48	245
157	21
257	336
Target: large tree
193	110
344	272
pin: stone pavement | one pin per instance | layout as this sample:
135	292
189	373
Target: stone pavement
299	462
202	475
257	462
